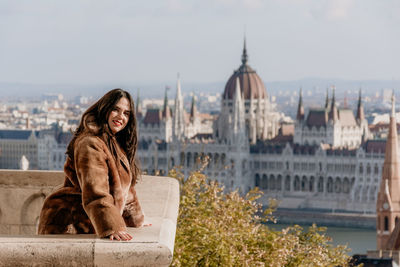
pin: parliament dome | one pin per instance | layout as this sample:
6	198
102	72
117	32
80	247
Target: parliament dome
251	85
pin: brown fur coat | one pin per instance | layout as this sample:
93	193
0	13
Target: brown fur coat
98	195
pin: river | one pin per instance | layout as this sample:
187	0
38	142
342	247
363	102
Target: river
357	239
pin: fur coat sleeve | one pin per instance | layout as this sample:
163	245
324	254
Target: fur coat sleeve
92	165
133	214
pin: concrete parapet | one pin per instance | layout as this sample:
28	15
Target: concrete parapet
380	255
150	246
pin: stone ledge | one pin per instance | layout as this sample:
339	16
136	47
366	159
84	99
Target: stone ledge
150	246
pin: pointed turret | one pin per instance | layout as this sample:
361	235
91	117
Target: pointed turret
388	203
333	113
166	112
178	127
238	129
360	109
259	119
193	109
300	108
327	99
244	54
138	108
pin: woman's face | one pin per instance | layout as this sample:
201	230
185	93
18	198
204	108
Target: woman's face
119	116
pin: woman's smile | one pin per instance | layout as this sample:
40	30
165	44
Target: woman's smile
119	115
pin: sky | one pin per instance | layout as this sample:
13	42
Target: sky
136	41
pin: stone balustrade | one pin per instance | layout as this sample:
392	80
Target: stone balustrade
21	196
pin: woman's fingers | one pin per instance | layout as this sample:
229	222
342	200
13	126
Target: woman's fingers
121	235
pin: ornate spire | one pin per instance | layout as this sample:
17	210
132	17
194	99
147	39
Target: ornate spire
393	113
333	114
388	203
138	106
300	108
244	54
166	111
193	109
178	127
238	129
360	108
327	99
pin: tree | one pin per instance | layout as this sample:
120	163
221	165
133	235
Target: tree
216	228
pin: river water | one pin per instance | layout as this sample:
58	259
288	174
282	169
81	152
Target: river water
357	239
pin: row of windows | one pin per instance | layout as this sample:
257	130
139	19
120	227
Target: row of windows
368	168
304	184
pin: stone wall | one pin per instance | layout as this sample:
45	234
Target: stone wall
21	197
22	194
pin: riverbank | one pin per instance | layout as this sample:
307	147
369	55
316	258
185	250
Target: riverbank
325	218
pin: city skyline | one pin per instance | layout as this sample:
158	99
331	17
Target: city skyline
101	42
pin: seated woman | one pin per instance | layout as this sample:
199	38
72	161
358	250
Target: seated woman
98	194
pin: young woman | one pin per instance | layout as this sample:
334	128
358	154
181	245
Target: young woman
98	195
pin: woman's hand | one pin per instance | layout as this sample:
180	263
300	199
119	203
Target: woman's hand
120	235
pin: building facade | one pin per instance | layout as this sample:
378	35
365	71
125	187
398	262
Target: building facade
328	165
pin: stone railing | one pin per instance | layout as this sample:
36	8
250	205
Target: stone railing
21	197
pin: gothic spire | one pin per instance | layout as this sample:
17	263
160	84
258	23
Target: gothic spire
238	129
193	109
333	114
178	127
166	111
138	109
300	108
244	54
388	203
327	99
360	108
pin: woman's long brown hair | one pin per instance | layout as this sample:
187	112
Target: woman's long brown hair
98	114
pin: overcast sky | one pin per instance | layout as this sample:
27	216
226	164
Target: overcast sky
99	41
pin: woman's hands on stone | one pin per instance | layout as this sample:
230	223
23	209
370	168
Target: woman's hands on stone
120	235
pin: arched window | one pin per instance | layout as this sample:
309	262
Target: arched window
216	159
386	223
257	180
321	184
271	182
311	184
338	185
304	184
188	159
346	185
278	185
209	161
329	186
296	184
264	182
376	169
223	158
368	168
287	183
182	159
361	169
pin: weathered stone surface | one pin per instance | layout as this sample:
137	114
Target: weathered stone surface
150	246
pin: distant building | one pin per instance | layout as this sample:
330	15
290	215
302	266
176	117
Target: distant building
44	150
330	125
328	165
387	207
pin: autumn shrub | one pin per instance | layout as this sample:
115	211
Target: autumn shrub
218	228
